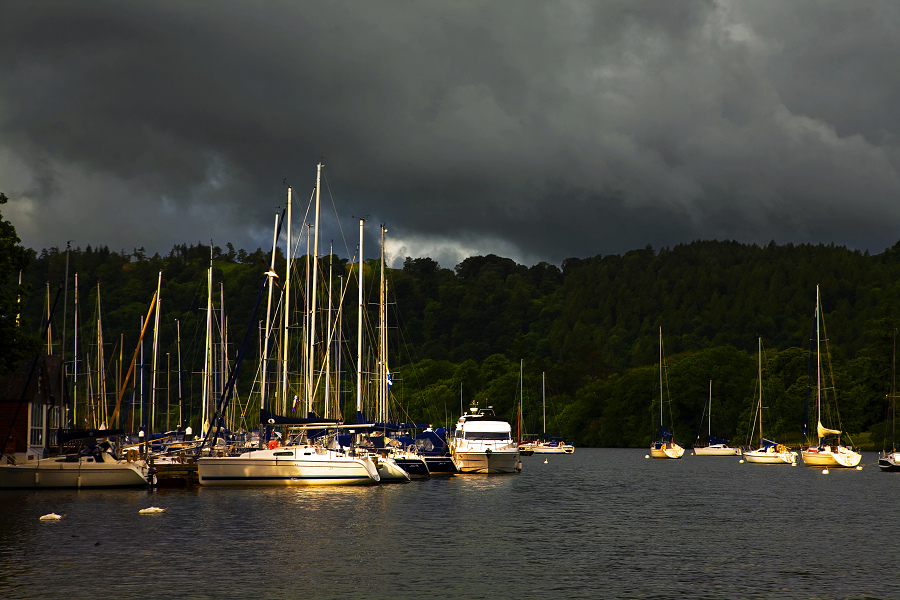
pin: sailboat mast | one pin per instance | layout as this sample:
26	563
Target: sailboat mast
382	341
544	398
818	366
359	325
760	394
178	349
660	380
207	356
101	367
155	353
328	345
75	362
263	390
287	307
315	274
709	414
894	395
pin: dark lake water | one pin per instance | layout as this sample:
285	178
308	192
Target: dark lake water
602	523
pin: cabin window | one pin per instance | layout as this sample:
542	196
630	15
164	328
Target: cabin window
287	453
487	435
36	438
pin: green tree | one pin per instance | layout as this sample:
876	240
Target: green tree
15	344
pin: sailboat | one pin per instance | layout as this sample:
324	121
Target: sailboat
769	452
298	462
828	450
665	447
890	460
553	445
714	446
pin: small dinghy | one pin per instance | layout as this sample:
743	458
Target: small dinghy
151	510
52	517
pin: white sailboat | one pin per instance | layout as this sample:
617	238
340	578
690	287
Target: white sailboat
889	460
297	462
828	450
714	447
554	445
665	446
769	452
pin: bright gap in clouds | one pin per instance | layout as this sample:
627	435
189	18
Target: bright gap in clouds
450	252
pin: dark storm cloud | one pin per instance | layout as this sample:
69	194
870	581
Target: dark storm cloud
537	131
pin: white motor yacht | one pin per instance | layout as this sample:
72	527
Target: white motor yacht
482	443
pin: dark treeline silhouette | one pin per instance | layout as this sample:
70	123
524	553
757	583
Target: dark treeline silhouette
457	336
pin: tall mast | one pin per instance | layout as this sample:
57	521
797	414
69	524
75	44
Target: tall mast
359	325
155	354
75	362
315	274
760	395
178	346
818	368
709	413
263	390
660	381
207	356
287	306
101	367
328	346
382	342
544	400
337	351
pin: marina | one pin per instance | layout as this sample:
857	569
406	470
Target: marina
600	531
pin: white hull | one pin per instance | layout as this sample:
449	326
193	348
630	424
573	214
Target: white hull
546	450
292	465
480	461
831	457
670	450
889	461
717	450
774	457
390	472
84	472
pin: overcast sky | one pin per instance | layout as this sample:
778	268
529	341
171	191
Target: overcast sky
532	130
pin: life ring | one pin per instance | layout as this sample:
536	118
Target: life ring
412	449
273	444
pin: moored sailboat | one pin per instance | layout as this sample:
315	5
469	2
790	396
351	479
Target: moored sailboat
714	446
665	446
768	452
827	451
889	460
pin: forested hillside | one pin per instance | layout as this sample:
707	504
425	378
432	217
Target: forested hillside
592	326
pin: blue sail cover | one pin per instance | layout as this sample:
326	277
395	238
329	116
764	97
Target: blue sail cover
663	433
714	440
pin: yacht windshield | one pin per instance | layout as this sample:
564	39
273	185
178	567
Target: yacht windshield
487	435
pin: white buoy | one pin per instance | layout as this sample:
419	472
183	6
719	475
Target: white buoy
742	461
825	471
545	461
52	517
859	468
646	456
151	510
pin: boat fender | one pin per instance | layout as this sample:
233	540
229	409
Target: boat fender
273	444
488	451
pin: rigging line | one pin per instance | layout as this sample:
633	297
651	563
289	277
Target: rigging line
336	217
